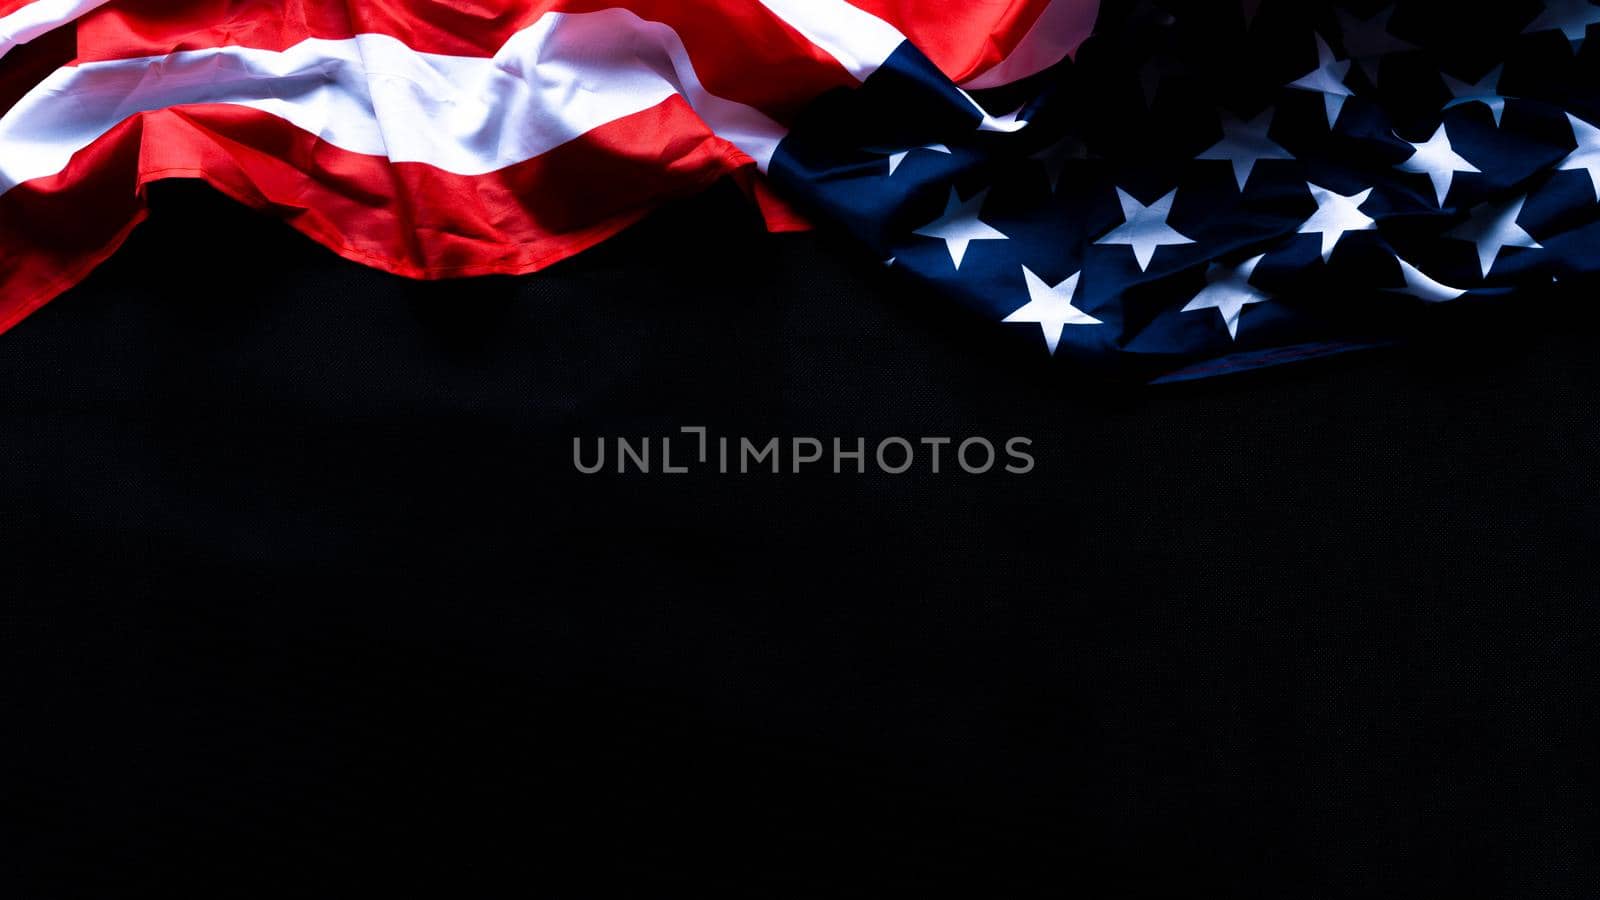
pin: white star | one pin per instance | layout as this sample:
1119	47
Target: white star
1493	227
1005	124
1571	17
960	226
1369	40
1486	91
1587	156
1335	215
1439	161
1051	308
1327	79
1229	291
899	156
1056	157
1244	144
1145	227
1418	284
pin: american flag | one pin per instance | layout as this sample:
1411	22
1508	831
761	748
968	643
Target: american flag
437	139
1199	187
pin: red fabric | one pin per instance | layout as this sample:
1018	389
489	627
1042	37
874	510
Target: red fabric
964	38
411	219
728	40
31	63
779	215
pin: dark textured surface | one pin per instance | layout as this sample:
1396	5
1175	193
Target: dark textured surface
303	596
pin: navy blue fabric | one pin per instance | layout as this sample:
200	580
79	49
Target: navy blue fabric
1145	98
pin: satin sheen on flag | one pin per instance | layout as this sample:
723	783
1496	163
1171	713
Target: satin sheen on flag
1217	186
1207	186
439	139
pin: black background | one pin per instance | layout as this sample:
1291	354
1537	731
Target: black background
303	596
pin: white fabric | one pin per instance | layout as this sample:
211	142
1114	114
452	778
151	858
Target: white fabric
859	40
371	94
1055	35
28	22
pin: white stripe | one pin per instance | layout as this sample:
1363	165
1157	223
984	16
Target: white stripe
371	94
862	42
859	40
1055	35
23	25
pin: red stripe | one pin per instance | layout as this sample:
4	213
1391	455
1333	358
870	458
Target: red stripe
964	38
25	66
727	40
408	218
56	230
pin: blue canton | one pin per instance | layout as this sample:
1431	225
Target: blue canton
1217	186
